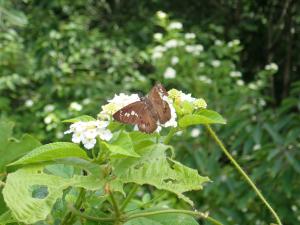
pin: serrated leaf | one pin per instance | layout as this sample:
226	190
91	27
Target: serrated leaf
84	118
203	117
164	219
121	145
154	168
11	148
18	192
53	151
6	218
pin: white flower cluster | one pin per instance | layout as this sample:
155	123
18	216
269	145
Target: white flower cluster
205	79
175	25
233	43
271	66
180	97
75	106
87	132
115	104
215	63
158	36
218	42
161	15
158	52
240	82
29	103
235	74
170	73
174	60
194	49
172	121
190	36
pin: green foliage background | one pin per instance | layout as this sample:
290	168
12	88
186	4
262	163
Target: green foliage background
55	53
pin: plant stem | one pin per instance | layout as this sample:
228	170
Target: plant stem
69	216
188	212
243	173
115	206
129	197
170	135
93	218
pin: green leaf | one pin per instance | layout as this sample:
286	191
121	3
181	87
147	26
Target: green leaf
156	169
164	219
53	151
203	117
11	148
6	218
84	118
121	145
21	186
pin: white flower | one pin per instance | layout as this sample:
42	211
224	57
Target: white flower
157	55
86	101
49	108
175	26
218	42
115	104
172	43
48	119
195	132
75	106
158	36
271	66
29	103
215	63
240	82
256	147
190	36
194	49
170	73
235	74
252	86
172	121
294	208
87	132
161	14
159	48
205	79
174	60
262	102
179	133
201	64
233	43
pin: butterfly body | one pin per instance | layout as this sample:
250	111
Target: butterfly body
148	112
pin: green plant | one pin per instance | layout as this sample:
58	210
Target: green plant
54	175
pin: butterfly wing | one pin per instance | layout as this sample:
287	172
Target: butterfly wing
161	106
138	113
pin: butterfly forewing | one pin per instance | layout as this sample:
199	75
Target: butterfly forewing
138	113
161	106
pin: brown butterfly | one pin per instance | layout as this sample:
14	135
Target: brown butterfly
147	112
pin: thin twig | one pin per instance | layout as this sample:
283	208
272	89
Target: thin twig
188	212
243	173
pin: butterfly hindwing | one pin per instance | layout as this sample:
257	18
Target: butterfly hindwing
138	113
161	106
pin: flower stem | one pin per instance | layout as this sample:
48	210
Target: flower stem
129	197
115	206
188	212
68	219
88	217
170	135
243	173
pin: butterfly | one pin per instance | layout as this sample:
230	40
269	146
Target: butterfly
147	112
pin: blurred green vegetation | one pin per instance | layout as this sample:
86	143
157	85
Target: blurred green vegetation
62	58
